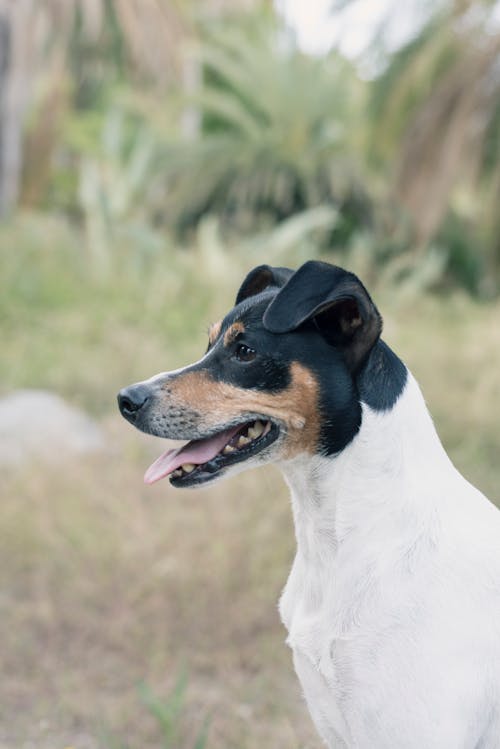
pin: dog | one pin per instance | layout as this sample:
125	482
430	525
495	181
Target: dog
392	605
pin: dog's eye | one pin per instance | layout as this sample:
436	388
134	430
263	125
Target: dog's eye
244	353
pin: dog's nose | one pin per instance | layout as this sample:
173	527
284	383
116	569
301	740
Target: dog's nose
131	400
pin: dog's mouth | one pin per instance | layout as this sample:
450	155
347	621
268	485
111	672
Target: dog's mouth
202	460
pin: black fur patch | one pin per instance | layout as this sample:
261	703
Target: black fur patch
378	382
261	278
382	379
339	410
269	371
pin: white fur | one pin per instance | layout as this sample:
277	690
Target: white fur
393	601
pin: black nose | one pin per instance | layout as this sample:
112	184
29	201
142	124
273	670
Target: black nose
131	400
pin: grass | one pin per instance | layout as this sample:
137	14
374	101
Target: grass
106	584
168	714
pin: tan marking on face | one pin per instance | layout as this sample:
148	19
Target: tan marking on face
213	332
295	408
233	332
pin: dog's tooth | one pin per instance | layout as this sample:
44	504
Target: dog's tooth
188	467
267	427
228	449
177	472
243	441
256	430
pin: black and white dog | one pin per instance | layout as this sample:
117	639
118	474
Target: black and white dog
393	602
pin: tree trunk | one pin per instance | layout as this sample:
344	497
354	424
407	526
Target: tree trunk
13	98
8	175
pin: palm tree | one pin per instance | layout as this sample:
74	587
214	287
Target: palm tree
437	114
37	37
16	63
277	132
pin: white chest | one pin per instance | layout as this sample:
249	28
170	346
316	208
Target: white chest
392	605
311	639
386	674
395	636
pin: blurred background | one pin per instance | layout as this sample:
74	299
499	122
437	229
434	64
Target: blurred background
151	153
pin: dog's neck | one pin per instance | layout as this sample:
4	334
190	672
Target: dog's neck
386	480
374	508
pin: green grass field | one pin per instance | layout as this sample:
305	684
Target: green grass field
105	583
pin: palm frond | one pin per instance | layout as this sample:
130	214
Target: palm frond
437	115
277	135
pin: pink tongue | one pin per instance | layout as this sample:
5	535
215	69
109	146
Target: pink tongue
197	452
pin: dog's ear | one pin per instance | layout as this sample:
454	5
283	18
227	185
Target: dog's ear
338	304
260	278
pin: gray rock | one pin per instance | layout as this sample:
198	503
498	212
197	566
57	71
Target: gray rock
35	424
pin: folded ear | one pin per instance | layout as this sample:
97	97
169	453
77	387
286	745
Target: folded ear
260	278
338	304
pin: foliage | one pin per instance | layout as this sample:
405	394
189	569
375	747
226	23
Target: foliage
436	112
168	715
113	196
277	134
137	140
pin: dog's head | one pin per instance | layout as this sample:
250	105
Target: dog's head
280	377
